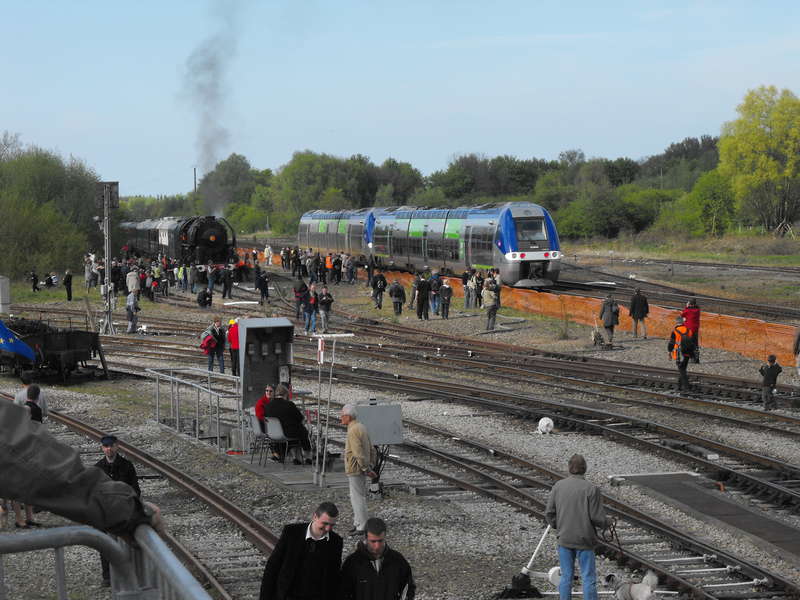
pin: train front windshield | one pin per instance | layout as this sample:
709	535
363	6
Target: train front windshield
531	230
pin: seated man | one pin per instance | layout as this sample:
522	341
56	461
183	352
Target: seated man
204	298
291	420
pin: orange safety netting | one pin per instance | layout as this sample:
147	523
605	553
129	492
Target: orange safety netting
753	338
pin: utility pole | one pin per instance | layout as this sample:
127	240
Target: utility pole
107	192
195	181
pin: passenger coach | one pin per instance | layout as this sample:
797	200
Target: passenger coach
519	238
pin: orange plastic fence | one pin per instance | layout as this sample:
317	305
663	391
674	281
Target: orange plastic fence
753	338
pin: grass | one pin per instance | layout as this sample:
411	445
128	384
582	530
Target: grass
733	248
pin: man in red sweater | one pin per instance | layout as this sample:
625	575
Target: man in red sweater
233	341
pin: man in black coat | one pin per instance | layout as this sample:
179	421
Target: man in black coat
118	469
375	571
283	409
305	561
67	281
638	311
423	293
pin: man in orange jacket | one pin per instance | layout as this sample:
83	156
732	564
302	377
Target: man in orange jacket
681	349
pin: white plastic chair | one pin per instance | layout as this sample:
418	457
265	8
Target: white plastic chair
258	439
275	435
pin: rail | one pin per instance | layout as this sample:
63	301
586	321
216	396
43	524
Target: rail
146	571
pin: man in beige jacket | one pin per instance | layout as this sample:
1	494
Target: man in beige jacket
359	458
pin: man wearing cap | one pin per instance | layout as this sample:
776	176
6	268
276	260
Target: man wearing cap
359	456
118	469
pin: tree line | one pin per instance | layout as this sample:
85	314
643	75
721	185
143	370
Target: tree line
748	176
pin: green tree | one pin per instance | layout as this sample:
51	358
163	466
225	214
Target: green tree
404	179
714	195
552	192
385	195
760	154
37	237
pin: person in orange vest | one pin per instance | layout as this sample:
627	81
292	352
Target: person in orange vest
691	316
329	268
681	349
233	342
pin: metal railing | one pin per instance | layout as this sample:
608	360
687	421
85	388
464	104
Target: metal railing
206	399
147	571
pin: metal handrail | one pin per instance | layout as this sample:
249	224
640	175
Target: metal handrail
136	571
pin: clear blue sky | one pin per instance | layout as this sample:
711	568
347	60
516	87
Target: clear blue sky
420	81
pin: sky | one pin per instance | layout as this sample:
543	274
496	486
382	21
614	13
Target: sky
144	92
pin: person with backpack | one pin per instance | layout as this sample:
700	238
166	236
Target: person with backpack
398	296
691	316
378	287
609	313
681	349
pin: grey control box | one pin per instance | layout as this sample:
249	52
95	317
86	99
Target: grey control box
384	422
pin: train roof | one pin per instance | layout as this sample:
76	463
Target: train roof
160	223
421	212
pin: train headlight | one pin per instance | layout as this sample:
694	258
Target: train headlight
555	254
547	255
213	238
522	255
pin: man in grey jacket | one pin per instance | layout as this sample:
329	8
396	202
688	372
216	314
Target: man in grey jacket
575	509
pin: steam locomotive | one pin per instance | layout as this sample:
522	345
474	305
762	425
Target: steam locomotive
198	240
519	238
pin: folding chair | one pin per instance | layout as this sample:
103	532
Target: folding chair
275	435
257	439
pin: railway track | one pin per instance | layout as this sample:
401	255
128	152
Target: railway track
757	474
686	566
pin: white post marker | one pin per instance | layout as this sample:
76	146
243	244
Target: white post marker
321	351
322	439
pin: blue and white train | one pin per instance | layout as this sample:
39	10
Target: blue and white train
519	238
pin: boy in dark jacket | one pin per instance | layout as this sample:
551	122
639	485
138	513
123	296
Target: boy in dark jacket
398	296
375	571
445	296
769	372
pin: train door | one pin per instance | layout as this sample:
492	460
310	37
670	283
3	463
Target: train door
425	242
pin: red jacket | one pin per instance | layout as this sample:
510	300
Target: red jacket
261	405
233	336
691	317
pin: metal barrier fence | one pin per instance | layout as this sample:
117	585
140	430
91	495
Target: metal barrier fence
148	571
206	400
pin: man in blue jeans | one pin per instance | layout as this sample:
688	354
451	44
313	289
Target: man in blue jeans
575	510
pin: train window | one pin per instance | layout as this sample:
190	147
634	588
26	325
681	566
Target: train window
530	230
